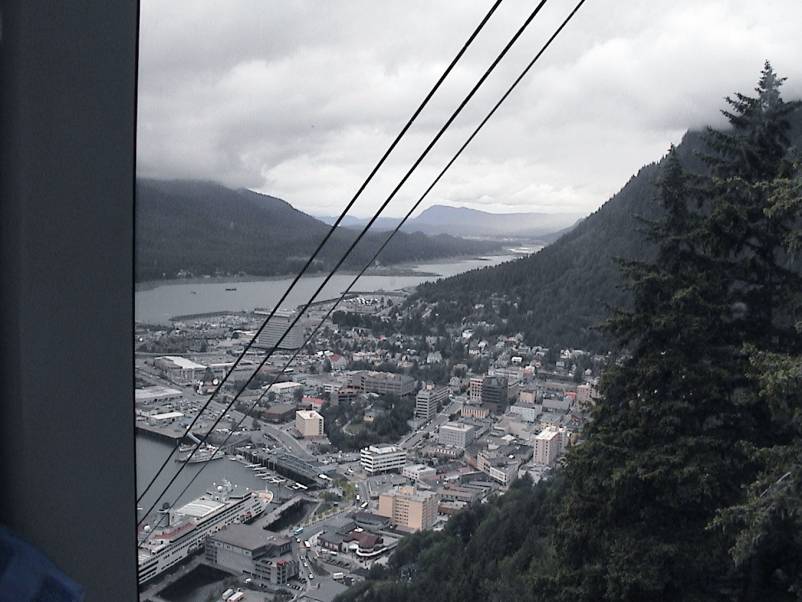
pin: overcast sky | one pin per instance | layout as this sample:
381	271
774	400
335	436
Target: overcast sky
299	99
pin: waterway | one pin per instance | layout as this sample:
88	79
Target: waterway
150	454
157	305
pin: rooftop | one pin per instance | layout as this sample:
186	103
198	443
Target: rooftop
248	537
182	362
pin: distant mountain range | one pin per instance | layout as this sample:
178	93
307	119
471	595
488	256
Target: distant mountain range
442	219
205	228
567	288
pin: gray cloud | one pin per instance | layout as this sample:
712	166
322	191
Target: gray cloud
299	99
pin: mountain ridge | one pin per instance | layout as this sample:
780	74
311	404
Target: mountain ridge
202	227
444	219
565	290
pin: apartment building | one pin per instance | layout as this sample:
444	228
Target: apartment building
548	445
309	423
408	508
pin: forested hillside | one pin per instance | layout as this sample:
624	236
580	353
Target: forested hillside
206	228
567	288
686	485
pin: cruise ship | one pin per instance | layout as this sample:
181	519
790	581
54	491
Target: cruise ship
163	547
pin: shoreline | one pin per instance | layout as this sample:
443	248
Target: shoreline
399	269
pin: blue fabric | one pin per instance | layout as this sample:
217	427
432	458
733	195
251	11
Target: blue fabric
26	575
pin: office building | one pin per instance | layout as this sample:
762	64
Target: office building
419	472
475	389
385	383
253	553
409	509
456	434
427	400
309	423
277	326
548	444
526	410
494	391
382	458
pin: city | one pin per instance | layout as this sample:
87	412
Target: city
363	439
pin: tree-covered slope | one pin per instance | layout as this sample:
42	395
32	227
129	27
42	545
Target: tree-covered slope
686	484
206	228
567	288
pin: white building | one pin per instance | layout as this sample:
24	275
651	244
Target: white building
527	411
456	434
419	472
179	369
309	423
548	445
382	458
286	391
427	399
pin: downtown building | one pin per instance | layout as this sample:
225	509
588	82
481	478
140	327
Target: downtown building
428	399
409	509
276	328
376	459
309	423
548	445
455	434
253	553
386	383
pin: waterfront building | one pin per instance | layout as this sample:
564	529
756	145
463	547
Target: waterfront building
309	423
162	547
253	553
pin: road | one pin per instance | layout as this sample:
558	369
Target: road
414	439
287	441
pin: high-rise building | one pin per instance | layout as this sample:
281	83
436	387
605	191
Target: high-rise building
475	389
382	458
494	391
427	400
548	444
309	423
408	508
276	327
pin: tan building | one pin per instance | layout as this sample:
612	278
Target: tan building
408	508
475	411
475	389
548	445
309	423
